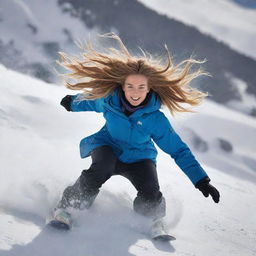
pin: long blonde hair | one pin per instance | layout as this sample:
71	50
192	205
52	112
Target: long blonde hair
98	74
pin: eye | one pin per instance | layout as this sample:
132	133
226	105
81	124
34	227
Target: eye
143	88
129	86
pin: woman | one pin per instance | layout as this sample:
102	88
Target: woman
130	91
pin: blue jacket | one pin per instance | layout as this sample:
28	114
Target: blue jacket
131	137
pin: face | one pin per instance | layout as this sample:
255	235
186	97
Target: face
135	89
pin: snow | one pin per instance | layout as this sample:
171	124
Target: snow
39	158
247	102
222	19
30	28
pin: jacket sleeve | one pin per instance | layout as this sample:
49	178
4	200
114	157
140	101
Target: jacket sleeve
170	142
78	103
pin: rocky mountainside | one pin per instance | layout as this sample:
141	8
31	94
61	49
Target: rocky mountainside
137	25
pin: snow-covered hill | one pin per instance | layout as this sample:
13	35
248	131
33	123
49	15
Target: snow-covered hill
225	20
32	33
39	156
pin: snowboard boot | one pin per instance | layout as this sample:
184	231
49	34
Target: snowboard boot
78	196
158	231
61	219
153	209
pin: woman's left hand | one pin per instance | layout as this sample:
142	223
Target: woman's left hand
207	189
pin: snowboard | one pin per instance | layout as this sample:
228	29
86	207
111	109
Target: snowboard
59	225
61	220
65	227
164	238
159	233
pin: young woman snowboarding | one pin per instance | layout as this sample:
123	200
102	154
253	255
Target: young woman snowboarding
130	91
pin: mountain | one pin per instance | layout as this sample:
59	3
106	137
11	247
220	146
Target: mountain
246	3
39	157
32	33
30	42
225	20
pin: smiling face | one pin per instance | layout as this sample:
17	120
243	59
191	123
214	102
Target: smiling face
135	89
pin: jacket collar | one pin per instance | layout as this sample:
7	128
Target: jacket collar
113	101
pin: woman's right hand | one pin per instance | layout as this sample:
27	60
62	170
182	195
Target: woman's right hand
66	102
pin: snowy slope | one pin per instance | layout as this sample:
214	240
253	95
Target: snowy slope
39	157
222	19
38	30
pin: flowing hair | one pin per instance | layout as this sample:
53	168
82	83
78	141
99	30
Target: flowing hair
99	73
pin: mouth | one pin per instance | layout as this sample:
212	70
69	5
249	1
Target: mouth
135	99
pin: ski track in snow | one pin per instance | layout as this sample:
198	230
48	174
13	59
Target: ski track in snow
40	157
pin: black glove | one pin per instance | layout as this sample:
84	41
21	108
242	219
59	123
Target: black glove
66	102
207	189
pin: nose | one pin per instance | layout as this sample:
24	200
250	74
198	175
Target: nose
135	91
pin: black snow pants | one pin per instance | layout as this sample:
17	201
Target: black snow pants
149	201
